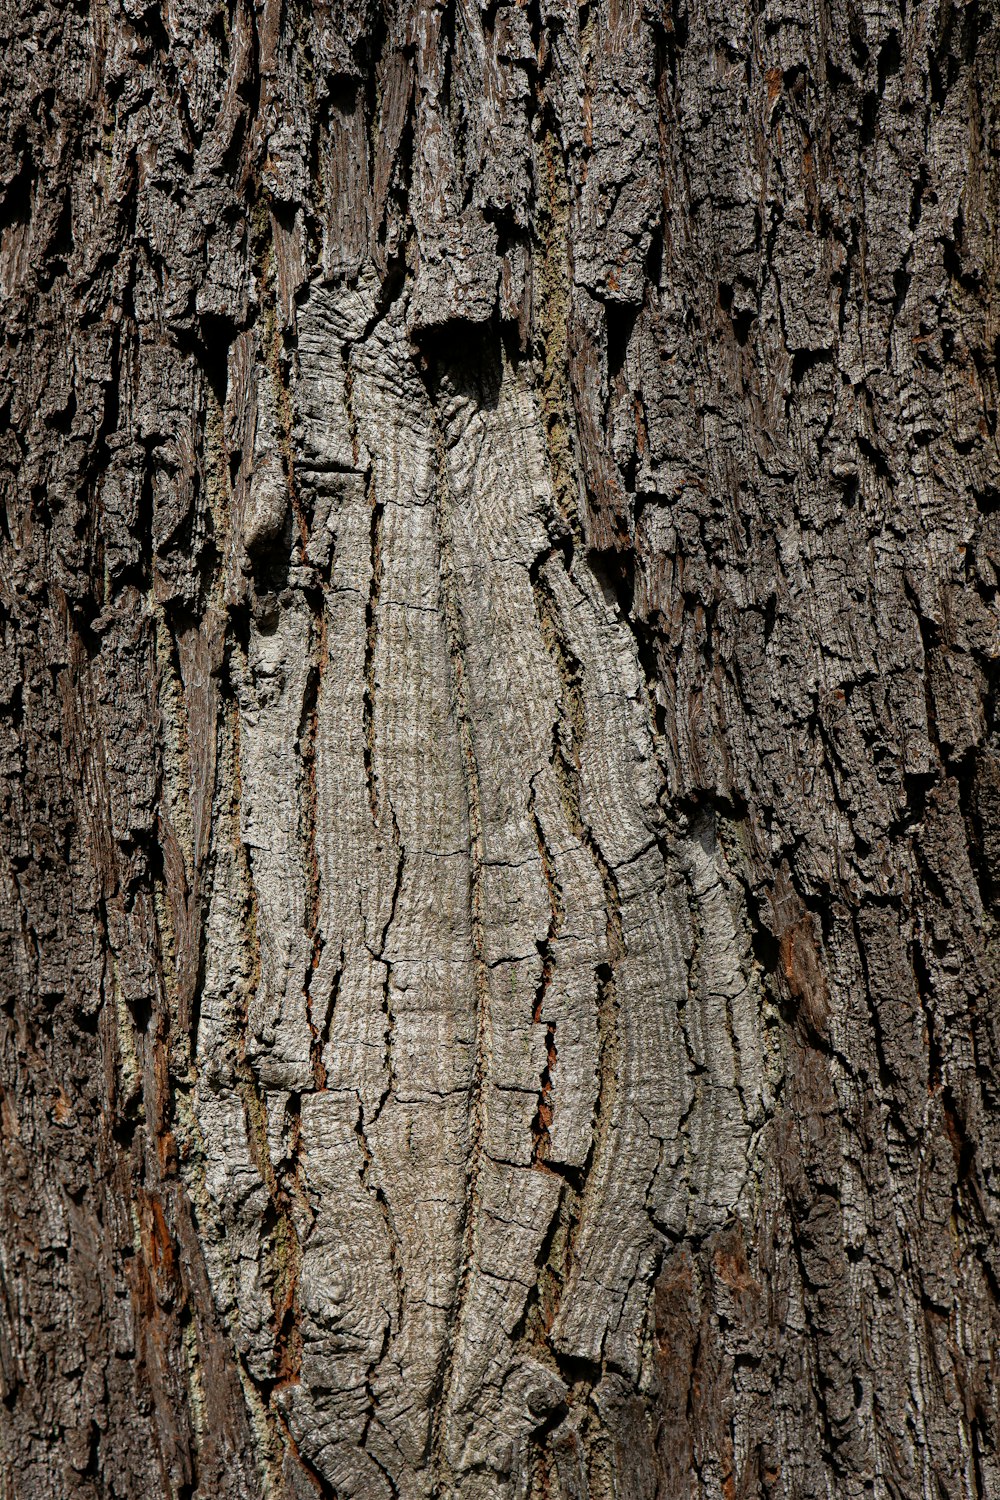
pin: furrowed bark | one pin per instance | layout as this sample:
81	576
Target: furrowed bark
500	756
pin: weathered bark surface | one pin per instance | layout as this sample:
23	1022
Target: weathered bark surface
500	766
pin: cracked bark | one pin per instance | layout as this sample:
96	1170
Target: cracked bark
499	751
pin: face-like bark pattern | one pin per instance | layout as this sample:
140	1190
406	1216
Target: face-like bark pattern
491	1073
497	735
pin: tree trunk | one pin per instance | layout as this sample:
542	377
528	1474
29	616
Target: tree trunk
500	758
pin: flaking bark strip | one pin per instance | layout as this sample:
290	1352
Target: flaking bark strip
275	357
283	1240
483	1044
389	1034
284	1260
568	733
392	1240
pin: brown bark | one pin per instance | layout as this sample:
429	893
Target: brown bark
499	750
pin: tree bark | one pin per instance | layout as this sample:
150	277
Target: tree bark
499	750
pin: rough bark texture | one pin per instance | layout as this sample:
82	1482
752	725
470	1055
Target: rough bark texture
499	750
